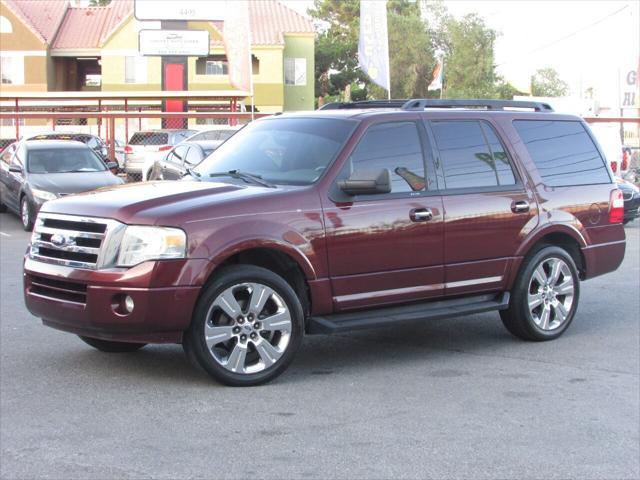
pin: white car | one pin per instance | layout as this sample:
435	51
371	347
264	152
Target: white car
608	136
145	147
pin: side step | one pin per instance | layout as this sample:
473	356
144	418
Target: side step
345	322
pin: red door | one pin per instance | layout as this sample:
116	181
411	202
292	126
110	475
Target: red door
174	81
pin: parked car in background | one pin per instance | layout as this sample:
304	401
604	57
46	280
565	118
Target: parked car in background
608	136
43	170
219	134
631	197
119	154
333	221
187	154
94	142
145	147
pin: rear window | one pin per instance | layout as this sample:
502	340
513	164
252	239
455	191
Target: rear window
149	138
563	152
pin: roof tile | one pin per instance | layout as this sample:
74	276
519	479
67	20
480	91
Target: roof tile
42	16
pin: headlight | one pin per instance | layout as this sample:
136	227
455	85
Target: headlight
43	195
151	243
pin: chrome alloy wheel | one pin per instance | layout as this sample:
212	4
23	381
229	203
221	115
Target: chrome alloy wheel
551	293
24	212
247	328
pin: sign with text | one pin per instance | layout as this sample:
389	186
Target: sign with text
180	10
174	42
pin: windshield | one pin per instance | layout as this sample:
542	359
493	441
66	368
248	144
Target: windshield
63	160
149	138
290	151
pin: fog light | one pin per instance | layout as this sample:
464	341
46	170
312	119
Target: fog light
128	304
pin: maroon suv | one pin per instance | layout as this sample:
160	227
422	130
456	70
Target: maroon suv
331	221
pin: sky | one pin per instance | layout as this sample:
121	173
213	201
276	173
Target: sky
586	41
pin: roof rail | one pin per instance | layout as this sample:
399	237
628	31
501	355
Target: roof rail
364	104
422	103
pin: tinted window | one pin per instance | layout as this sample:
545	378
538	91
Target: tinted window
282	150
395	146
471	155
149	138
563	152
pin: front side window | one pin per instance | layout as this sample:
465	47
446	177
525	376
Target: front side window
177	155
63	160
395	146
471	155
563	152
295	71
291	151
193	156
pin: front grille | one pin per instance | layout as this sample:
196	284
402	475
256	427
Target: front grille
71	240
58	289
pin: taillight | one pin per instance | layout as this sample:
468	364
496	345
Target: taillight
614	167
625	160
164	148
128	149
616	207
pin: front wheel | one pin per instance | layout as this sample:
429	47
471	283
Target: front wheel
545	296
109	346
26	214
246	327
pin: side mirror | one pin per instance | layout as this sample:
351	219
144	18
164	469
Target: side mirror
367	182
113	167
15	168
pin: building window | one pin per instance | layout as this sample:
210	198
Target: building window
135	69
11	122
212	65
5	25
295	71
12	70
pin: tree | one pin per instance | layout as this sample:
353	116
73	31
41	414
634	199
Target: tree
546	82
99	3
505	91
469	69
337	69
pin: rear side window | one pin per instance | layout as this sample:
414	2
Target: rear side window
395	146
471	155
149	138
563	152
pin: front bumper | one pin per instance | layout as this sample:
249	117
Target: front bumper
632	208
85	302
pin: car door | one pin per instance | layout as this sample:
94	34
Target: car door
386	248
487	208
172	165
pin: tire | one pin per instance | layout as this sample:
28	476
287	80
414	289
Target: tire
255	323
544	297
26	214
109	346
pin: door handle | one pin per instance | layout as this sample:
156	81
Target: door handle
421	214
521	206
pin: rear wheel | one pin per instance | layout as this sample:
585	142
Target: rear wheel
246	328
109	346
545	296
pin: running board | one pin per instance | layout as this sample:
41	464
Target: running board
345	322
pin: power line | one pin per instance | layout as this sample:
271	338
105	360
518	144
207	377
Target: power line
550	44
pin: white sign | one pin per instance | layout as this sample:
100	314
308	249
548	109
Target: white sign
174	42
179	10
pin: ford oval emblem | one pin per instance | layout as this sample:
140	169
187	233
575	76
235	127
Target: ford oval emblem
60	240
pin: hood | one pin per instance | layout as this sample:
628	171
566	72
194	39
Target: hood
66	183
151	203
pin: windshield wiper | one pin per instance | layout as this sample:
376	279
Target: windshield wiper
247	177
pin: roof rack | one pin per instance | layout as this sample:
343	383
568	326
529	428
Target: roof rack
422	103
364	104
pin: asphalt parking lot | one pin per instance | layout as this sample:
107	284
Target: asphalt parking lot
447	399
